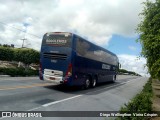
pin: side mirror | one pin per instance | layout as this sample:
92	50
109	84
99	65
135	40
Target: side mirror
119	65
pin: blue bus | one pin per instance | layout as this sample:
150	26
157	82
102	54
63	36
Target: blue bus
69	59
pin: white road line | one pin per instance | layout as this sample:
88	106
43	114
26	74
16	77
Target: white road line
34	108
55	102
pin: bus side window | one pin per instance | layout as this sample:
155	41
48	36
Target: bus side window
82	47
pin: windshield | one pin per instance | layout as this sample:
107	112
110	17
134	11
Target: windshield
62	40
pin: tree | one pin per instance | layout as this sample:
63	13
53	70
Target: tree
26	55
149	30
6	53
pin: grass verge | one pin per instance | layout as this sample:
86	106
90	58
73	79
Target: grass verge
156	96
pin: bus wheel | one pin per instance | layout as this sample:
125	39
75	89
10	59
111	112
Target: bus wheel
87	83
94	82
114	78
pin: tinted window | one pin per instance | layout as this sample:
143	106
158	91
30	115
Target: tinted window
91	51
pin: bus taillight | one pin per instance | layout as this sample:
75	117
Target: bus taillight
69	71
40	72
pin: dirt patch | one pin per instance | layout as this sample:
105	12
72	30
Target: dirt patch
8	64
14	64
156	97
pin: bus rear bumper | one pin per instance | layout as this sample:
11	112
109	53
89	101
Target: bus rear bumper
53	79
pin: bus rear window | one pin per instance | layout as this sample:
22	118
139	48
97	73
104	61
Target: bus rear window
57	40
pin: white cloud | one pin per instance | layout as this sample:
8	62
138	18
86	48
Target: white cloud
133	63
133	48
97	20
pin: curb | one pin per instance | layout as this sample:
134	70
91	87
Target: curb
5	76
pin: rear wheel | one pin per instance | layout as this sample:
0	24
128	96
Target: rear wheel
94	82
87	83
114	78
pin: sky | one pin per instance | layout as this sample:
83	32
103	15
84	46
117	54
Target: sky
110	24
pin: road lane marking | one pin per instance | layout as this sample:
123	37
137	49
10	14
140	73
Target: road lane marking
34	108
18	78
55	102
27	86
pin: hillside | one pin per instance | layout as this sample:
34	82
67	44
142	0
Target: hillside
125	72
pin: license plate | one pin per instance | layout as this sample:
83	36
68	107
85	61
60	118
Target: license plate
52	78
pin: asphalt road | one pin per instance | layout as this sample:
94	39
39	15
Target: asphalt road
31	94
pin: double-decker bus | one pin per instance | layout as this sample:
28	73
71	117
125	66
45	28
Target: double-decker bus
69	59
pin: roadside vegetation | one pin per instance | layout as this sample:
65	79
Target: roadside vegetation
149	30
125	72
19	71
148	99
18	61
25	55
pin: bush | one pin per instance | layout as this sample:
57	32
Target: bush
18	72
140	103
6	53
24	55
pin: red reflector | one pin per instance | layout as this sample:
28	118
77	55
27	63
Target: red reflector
76	76
40	67
65	81
69	70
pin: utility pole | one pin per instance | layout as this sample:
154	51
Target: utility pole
23	41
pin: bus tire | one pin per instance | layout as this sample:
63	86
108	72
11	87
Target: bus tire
114	79
94	82
87	83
